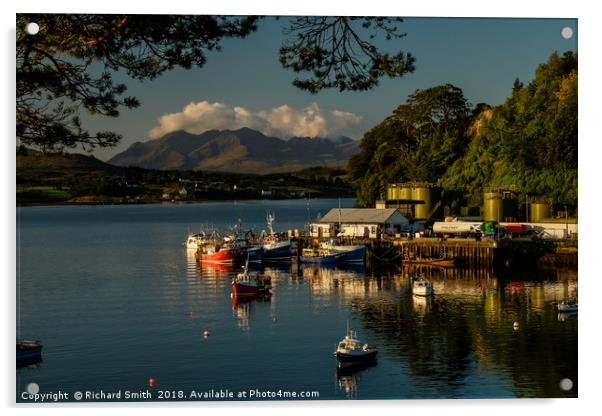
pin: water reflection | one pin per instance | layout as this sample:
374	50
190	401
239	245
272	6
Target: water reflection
242	309
349	376
563	316
467	326
449	344
422	304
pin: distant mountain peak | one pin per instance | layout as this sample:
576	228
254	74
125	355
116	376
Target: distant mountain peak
244	150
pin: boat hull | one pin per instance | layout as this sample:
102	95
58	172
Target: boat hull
567	308
228	255
29	355
433	262
242	290
331	259
356	358
277	252
354	254
422	290
255	254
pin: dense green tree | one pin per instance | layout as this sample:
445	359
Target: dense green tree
418	142
68	66
530	141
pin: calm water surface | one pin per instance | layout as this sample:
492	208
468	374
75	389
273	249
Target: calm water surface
116	299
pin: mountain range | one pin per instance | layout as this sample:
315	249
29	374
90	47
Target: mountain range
241	151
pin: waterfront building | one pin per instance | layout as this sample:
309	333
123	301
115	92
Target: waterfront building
360	222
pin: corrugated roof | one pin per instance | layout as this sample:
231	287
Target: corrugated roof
358	215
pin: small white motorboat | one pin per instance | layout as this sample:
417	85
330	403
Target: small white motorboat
567	307
351	350
421	287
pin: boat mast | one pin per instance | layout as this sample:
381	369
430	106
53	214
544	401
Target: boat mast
339	215
270	220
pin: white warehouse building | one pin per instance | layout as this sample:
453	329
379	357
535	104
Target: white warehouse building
360	222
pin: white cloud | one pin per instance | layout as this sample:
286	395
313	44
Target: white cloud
283	121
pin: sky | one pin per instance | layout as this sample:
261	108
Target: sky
244	85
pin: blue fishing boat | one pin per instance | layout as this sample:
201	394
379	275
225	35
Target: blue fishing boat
275	248
355	253
255	253
28	353
319	256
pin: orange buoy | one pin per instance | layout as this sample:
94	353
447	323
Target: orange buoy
151	382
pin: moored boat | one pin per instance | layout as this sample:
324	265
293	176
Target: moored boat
421	287
567	307
320	256
441	261
355	253
255	253
220	253
194	241
250	284
275	248
351	350
28	352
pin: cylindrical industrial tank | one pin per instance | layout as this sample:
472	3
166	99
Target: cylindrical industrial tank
405	193
539	211
493	208
392	192
430	196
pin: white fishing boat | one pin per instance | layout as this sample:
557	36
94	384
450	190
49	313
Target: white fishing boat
421	287
194	241
567	307
351	350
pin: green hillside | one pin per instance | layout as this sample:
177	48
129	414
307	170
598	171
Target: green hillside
529	141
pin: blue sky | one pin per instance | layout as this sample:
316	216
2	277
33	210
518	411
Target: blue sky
481	56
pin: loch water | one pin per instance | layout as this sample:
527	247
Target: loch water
116	299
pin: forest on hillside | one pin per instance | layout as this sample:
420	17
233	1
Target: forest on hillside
529	141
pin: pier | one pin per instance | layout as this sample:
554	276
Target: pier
467	252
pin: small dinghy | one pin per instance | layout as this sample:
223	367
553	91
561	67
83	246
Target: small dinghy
421	287
567	307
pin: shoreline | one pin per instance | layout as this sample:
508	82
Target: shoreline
160	202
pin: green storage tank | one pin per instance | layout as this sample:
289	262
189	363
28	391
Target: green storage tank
405	193
493	207
397	192
500	206
539	211
430	196
392	192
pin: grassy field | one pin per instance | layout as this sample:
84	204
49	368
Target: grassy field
42	193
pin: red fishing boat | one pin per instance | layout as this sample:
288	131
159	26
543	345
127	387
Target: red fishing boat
247	284
220	253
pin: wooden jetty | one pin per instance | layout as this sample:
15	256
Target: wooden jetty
465	252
